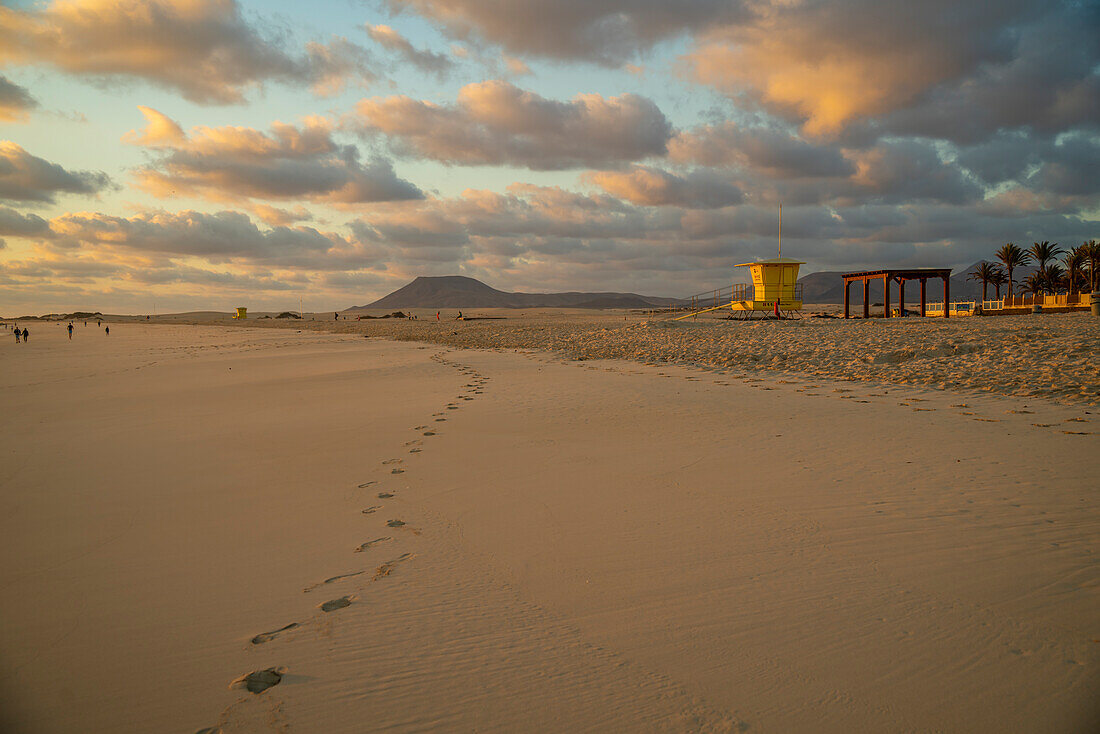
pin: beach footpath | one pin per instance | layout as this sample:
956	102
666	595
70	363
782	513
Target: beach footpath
239	530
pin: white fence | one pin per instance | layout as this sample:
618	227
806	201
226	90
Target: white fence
958	308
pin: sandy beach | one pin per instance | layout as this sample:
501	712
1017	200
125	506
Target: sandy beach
558	523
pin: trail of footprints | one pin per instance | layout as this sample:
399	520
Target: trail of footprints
261	680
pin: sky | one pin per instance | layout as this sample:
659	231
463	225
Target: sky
176	155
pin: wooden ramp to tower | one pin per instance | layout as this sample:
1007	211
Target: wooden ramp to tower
773	281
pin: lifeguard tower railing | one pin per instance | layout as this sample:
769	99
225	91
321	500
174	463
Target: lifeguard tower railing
724	298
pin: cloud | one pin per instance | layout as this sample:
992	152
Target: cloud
15	101
497	123
769	151
220	237
653	187
17	224
426	61
202	48
607	32
515	66
910	171
944	69
28	178
291	162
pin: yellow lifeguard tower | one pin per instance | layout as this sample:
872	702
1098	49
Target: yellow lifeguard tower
774	289
772	280
242	313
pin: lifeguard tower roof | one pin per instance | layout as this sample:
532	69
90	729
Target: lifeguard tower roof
773	261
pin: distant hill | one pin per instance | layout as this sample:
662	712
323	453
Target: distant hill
457	291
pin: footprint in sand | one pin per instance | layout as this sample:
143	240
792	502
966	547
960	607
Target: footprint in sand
1043	425
371	510
396	524
364	485
259	681
269	636
429	433
415	451
440	420
387	568
370	544
1077	433
329	580
385	495
397	471
392	461
333	604
452	407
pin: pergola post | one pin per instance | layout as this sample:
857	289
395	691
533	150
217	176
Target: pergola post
923	283
866	298
886	296
846	284
901	296
946	297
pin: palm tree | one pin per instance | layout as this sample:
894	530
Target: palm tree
985	272
1052	277
1075	261
1012	257
1092	252
1043	252
999	278
1033	283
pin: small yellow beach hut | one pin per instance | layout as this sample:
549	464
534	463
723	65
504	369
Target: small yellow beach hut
242	313
772	280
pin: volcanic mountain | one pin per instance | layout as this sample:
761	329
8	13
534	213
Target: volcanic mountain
457	291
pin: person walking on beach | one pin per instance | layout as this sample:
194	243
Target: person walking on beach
18	335
107	330
70	331
25	334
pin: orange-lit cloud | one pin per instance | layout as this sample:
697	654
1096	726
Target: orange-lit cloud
653	187
236	163
606	32
203	48
427	61
497	123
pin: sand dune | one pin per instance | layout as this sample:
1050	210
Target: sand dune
377	535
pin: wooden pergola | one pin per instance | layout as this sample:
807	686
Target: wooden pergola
899	277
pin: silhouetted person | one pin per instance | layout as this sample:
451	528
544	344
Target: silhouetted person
26	335
18	336
107	330
70	331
